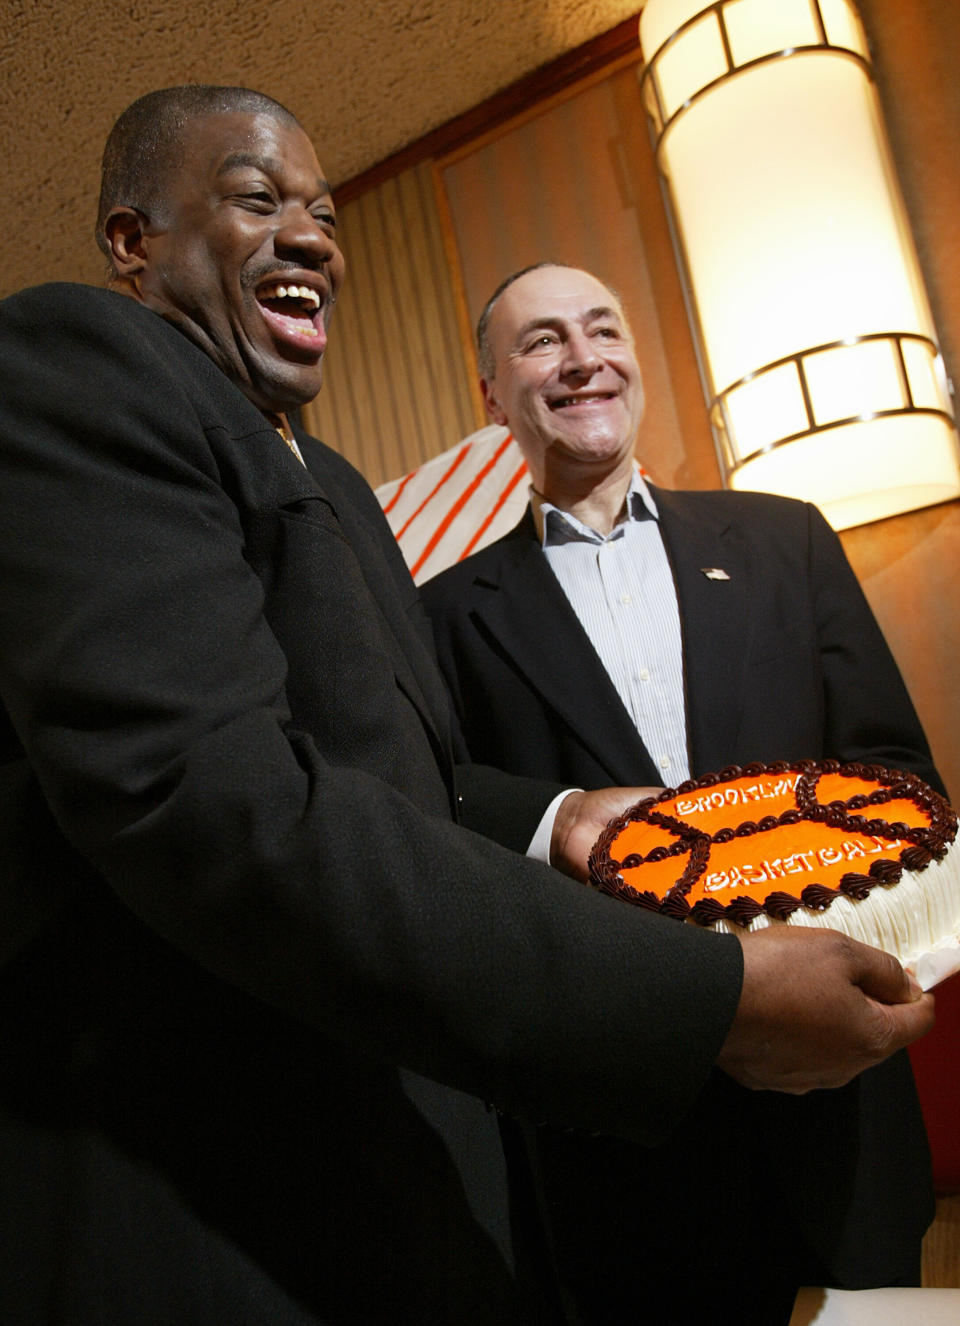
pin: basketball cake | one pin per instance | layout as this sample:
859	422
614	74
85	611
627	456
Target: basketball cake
869	851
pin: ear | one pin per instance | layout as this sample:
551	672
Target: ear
125	233
488	390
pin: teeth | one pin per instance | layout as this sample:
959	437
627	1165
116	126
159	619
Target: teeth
292	292
563	401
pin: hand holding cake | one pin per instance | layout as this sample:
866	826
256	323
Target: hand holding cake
580	819
817	1008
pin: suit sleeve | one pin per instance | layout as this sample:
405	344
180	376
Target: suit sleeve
152	700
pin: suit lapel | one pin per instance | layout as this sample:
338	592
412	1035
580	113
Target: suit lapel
415	674
717	618
529	614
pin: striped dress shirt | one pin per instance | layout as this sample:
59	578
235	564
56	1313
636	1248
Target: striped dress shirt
621	587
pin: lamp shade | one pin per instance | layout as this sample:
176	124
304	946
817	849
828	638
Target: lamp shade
813	329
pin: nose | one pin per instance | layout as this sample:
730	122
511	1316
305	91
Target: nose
300	237
580	358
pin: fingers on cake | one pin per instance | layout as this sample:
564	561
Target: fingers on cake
865	850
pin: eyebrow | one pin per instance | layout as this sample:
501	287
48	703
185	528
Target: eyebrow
269	165
557	324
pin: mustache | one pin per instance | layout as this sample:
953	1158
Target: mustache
251	277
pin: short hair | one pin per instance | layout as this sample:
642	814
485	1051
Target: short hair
146	143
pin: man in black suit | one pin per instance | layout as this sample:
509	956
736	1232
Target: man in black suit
264	961
629	634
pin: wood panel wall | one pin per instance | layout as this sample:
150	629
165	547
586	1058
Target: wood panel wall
583	189
397	386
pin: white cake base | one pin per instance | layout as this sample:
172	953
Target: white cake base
917	919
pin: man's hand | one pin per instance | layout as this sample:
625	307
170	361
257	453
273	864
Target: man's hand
582	817
816	1009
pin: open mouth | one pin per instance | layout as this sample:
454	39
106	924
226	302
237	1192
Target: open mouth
293	312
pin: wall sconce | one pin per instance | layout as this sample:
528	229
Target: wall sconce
814	335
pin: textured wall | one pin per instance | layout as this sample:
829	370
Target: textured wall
365	79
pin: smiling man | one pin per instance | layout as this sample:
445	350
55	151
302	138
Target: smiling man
627	633
229	233
559	368
271	950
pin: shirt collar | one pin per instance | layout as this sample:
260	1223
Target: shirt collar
555	526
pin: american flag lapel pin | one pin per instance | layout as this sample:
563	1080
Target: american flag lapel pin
714	573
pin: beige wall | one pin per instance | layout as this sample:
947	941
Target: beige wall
910	566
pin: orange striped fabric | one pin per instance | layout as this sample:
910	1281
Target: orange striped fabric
457	502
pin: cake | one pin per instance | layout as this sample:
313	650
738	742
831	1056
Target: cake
869	851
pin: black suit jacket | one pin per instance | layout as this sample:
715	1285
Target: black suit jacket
782	660
258	982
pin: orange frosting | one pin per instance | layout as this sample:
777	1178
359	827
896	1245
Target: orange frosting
786	859
781	858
